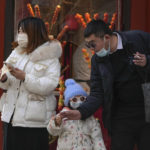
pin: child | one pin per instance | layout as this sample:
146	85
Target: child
76	134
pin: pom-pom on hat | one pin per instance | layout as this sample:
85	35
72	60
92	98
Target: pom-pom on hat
72	89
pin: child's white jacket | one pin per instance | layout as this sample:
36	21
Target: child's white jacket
78	134
31	103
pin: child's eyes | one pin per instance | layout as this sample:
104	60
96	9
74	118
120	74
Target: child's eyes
74	99
82	98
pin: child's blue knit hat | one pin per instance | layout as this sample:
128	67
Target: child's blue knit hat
72	89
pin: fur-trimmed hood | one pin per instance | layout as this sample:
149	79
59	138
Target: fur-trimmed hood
47	50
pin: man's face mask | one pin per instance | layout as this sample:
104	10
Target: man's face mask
76	101
22	40
103	52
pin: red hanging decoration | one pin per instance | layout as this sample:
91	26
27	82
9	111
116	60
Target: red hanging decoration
71	22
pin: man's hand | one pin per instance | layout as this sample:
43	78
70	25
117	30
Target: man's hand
71	115
18	74
139	59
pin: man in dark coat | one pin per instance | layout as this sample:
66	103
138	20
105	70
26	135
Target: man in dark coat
119	67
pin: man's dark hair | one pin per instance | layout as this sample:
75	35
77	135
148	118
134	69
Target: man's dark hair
97	27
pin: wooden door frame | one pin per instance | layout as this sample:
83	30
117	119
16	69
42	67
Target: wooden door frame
2	19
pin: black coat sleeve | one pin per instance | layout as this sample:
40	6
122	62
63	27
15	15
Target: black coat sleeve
144	43
146	38
96	97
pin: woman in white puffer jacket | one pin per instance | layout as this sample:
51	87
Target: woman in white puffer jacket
34	71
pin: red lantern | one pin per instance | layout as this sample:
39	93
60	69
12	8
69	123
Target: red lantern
71	22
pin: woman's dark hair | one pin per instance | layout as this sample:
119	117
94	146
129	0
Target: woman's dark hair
36	31
97	27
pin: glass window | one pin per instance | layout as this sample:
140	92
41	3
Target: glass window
66	20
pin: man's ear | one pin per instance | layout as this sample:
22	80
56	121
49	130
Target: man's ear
107	36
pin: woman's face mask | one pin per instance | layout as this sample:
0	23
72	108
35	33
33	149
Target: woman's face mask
76	101
22	40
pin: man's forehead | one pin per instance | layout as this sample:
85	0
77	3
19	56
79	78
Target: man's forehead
90	38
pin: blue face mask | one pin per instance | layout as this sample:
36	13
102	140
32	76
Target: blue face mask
103	52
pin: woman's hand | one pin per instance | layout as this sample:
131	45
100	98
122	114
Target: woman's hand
140	59
4	77
18	74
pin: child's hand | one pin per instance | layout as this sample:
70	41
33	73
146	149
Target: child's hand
58	120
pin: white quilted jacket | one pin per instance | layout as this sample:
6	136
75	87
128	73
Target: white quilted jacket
31	103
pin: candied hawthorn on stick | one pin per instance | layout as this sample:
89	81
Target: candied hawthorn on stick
37	11
29	7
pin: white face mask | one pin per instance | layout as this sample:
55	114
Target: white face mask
75	105
22	40
77	102
103	52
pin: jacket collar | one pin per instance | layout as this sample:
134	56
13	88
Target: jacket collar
125	42
48	50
